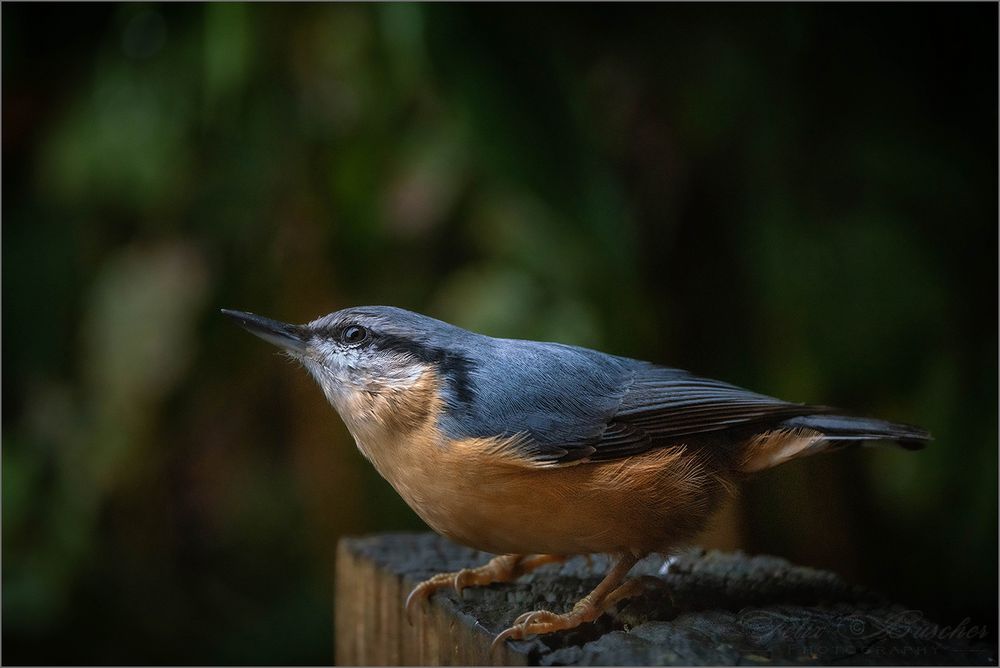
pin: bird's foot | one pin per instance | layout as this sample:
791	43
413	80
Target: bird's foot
505	568
590	607
540	622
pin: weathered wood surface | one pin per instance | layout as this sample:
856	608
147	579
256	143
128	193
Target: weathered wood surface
710	608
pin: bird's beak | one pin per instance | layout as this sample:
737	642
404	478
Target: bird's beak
283	335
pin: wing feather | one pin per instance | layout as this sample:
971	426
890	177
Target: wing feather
570	405
662	405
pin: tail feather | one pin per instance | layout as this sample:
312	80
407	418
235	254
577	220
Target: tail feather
808	434
845	428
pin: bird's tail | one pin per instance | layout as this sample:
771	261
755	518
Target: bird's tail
808	434
844	429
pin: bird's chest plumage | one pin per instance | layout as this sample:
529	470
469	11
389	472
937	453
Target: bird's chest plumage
395	428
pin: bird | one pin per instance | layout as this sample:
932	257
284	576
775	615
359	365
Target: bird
536	451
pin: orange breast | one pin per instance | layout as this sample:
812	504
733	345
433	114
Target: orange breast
483	493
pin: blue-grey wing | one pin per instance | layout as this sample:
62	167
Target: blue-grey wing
664	406
557	399
573	404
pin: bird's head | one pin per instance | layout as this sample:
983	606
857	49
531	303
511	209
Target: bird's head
379	366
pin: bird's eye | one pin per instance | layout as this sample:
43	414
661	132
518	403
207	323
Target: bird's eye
353	334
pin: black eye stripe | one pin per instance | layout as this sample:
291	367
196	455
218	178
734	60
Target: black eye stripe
456	369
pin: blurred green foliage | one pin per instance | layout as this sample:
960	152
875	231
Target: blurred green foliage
798	198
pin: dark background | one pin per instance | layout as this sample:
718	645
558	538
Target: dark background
801	199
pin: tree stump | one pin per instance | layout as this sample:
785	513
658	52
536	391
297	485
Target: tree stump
706	608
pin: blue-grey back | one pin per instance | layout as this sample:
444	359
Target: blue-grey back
556	393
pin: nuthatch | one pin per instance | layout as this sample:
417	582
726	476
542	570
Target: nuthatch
538	451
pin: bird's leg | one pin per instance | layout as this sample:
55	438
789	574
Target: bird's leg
590	607
505	568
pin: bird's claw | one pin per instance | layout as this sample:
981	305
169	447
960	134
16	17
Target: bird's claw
499	569
540	622
503	636
423	591
589	608
462	579
419	594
